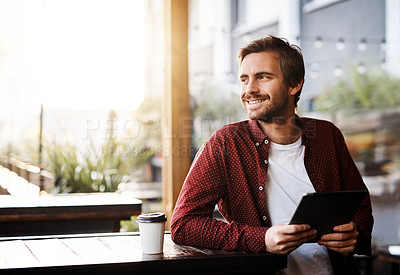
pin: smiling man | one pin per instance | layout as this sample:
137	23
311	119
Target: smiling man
257	170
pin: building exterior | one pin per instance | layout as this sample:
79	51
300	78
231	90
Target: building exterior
335	36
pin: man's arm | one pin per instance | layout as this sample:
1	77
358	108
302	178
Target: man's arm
192	222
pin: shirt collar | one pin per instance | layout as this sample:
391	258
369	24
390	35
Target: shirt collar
258	136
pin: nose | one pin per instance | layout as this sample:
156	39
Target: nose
251	87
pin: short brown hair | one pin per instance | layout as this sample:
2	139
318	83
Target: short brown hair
290	59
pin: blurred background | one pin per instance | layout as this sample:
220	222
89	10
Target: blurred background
82	83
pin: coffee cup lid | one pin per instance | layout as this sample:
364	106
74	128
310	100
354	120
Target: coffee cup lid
152	217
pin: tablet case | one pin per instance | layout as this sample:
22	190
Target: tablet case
325	210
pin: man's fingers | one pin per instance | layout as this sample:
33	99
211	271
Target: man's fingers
288	246
344	240
308	235
345	227
299	237
344	248
296	228
329	244
304	237
351	235
284	238
291	244
336	237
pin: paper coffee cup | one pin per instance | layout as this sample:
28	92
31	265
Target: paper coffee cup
151	228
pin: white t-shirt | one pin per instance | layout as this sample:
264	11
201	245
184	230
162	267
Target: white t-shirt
287	181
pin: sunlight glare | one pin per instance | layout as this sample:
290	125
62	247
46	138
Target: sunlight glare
85	54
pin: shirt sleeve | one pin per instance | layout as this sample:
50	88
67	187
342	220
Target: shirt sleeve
352	180
192	222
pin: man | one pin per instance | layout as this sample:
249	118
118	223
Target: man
257	170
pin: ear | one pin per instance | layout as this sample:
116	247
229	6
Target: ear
295	89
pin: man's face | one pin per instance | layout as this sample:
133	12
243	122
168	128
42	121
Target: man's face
264	96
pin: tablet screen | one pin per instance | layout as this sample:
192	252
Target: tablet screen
325	210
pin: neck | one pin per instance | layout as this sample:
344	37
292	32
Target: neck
282	130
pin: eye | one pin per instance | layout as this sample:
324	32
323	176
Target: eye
244	80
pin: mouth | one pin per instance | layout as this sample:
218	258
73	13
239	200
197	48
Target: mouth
253	102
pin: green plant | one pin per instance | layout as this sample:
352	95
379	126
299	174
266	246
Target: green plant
101	169
130	225
376	90
96	170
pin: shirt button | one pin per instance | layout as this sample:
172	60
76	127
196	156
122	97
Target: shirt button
264	218
266	141
266	161
261	188
257	144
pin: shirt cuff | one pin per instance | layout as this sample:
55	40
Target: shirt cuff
255	239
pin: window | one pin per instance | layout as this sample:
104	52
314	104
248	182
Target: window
313	5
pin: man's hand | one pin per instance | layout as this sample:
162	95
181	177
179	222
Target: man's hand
284	238
343	240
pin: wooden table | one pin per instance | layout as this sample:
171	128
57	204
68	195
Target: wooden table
120	253
65	213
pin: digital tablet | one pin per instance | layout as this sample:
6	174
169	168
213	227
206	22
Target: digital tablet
325	210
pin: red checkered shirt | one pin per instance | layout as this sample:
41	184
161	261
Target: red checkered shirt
230	171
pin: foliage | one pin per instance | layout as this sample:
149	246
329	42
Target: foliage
130	225
99	168
215	105
376	90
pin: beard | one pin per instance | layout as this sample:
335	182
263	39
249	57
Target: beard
275	111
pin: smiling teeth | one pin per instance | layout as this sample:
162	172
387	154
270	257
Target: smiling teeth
255	101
